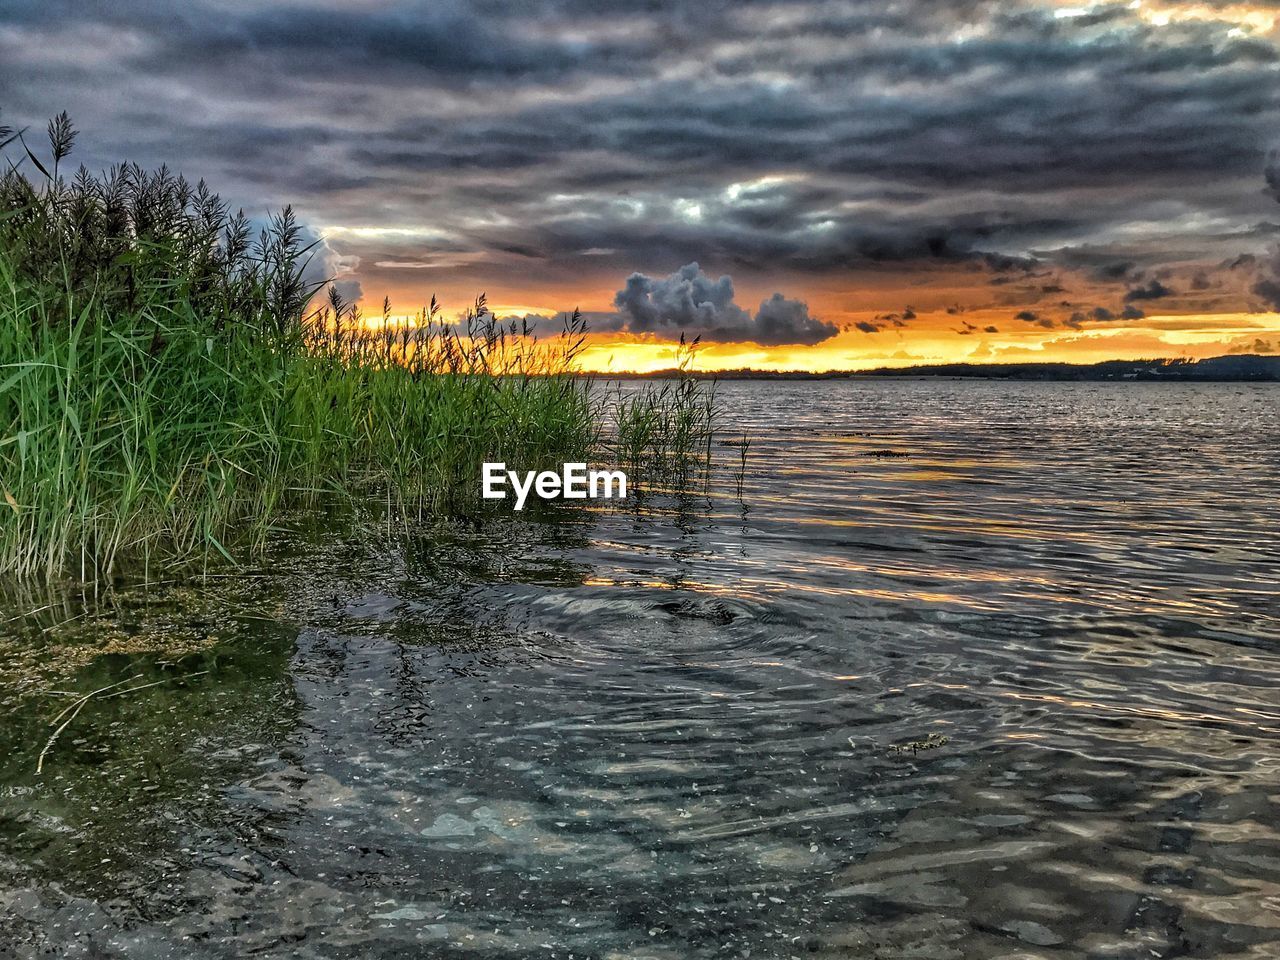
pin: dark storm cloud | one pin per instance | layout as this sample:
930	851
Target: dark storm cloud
1031	316
1104	315
691	302
1155	290
1273	172
453	42
445	40
1113	271
782	321
803	137
1267	285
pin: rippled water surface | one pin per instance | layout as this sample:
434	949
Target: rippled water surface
969	670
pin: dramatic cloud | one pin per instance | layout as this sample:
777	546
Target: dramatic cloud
553	142
1267	284
690	302
779	320
1103	315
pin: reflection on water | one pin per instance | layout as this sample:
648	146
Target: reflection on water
668	731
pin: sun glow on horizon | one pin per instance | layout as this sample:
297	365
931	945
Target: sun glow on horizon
1189	336
929	337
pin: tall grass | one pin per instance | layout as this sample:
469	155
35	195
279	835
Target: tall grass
412	408
663	431
165	388
168	389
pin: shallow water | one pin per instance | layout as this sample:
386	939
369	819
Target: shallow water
685	729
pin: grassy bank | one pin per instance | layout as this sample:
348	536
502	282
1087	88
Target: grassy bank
167	387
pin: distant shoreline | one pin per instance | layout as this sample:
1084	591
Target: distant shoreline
1237	368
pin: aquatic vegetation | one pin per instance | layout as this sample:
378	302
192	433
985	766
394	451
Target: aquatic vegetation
931	742
664	431
167	387
740	475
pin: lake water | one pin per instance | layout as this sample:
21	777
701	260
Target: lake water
684	729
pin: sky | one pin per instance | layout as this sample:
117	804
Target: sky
804	185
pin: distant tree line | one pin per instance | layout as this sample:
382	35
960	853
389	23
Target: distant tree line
1239	367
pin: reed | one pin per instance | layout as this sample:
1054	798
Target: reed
169	389
664	430
166	389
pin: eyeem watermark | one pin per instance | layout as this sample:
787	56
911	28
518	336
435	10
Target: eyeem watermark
573	482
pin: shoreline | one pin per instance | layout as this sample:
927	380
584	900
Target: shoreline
1239	368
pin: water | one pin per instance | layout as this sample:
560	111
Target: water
686	730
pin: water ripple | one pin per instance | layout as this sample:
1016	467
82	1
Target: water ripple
973	670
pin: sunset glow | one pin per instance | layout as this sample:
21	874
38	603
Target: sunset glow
1192	337
803	185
